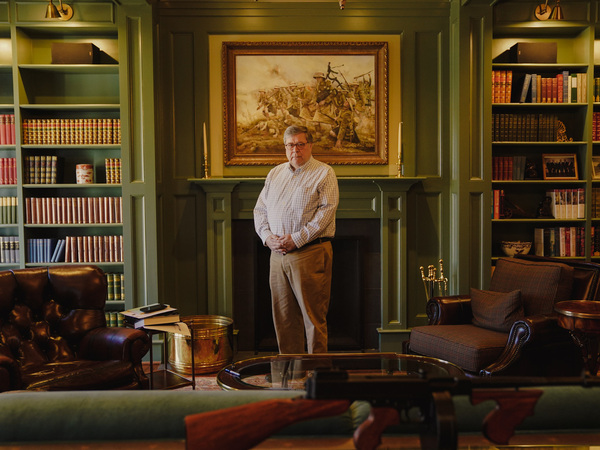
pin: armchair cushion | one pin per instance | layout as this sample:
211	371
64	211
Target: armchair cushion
542	284
466	345
496	310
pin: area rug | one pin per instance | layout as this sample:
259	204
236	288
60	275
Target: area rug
203	383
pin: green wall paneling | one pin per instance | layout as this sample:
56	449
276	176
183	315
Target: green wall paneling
419	95
3	14
136	65
467	210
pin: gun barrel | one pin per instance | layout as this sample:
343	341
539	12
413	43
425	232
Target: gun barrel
409	387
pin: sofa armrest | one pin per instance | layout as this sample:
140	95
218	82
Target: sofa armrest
126	344
527	332
10	376
104	343
452	310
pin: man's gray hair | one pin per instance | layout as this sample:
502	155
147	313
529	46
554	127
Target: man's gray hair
293	130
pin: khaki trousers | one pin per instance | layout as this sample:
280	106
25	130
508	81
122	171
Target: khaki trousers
300	290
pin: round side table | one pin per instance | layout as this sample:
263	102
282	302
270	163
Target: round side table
582	319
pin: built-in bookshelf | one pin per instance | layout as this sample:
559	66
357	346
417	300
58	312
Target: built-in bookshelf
542	138
54	120
9	222
595	153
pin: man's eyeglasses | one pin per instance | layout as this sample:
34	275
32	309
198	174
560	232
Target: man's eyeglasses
299	146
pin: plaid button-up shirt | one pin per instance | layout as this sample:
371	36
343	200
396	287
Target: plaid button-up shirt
299	202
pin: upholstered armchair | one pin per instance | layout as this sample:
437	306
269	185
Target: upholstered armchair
53	333
511	329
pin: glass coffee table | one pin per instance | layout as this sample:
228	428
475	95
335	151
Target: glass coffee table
290	371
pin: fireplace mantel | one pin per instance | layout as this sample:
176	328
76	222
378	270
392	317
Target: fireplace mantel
382	198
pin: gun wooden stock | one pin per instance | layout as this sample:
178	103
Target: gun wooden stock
368	434
245	426
512	407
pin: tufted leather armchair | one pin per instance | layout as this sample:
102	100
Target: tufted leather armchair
53	333
533	344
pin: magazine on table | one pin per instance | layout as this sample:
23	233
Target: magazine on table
175	328
140	318
138	313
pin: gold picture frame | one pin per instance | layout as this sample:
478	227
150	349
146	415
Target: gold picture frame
560	166
596	167
339	90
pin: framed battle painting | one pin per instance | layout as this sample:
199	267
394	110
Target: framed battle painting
338	90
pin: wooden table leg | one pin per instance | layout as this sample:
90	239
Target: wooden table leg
588	343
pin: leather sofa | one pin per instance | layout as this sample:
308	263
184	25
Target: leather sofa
512	328
53	333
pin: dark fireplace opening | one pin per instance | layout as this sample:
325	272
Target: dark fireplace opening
355	307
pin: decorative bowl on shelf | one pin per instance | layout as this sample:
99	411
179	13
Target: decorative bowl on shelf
512	248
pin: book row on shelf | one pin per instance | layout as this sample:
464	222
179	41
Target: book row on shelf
596	126
116	286
564	87
75	249
8	210
73	210
568	203
113	170
560	241
501	86
7	129
596	203
114	319
41	169
45	250
508	167
71	131
8	170
9	250
595	238
47	169
526	127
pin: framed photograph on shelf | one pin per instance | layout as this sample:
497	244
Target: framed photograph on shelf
596	167
338	90
560	167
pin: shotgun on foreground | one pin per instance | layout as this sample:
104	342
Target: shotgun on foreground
424	401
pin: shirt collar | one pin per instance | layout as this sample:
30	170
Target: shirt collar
302	167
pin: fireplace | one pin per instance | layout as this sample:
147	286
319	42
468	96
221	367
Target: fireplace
355	307
368	303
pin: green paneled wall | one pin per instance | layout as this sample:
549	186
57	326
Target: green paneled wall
430	43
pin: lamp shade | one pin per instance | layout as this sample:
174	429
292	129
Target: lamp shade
52	11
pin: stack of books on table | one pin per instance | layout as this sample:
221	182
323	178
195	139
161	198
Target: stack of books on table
137	318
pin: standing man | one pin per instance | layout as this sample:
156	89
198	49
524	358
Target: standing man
295	217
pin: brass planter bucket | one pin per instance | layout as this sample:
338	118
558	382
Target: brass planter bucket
213	345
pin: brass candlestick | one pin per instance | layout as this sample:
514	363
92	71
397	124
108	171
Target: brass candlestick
206	173
400	164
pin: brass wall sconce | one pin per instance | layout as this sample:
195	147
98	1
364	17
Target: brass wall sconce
63	12
557	12
544	12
